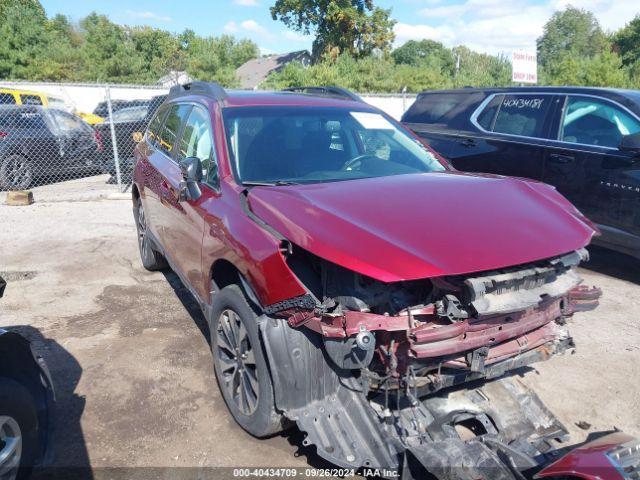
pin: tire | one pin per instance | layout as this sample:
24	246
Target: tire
240	366
152	260
18	428
16	173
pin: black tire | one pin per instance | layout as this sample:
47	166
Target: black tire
16	173
18	405
254	413
152	260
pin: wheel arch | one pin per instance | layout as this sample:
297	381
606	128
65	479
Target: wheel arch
135	193
223	273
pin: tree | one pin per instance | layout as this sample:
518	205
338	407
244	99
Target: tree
416	52
22	38
570	32
109	54
627	42
356	27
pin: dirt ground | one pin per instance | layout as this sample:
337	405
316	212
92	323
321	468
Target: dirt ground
128	349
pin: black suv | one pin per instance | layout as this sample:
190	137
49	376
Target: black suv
584	141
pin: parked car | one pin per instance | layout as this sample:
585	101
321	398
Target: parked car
583	141
11	96
26	406
39	143
127	122
102	109
349	277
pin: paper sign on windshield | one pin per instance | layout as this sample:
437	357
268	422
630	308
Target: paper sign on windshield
372	121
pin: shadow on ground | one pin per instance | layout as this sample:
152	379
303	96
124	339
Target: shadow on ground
70	457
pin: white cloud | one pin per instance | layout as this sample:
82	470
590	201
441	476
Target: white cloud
250	28
405	31
247	3
499	26
149	16
296	37
254	27
231	27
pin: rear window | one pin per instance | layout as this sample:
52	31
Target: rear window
155	125
441	108
30	99
432	108
523	115
172	123
20	119
7	99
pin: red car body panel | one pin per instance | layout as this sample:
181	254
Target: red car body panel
407	227
588	461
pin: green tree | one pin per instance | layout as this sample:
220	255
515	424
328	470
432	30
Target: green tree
109	53
572	31
216	58
356	27
416	52
627	42
61	57
22	38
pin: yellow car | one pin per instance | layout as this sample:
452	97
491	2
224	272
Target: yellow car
10	96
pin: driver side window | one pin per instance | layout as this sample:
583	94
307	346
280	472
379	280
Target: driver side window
589	121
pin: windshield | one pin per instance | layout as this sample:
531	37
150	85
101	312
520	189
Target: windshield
315	144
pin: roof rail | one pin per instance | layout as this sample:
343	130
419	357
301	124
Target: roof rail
332	92
212	89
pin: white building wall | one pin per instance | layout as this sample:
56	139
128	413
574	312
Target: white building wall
85	97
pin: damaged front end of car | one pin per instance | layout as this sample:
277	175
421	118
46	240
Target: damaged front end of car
395	376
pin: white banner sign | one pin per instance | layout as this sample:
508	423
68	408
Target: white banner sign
525	67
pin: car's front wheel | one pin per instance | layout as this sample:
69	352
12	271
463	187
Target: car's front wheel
16	173
151	259
240	365
18	430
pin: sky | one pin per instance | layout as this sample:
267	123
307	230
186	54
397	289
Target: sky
491	26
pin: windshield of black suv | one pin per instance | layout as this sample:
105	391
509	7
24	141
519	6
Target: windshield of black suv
274	144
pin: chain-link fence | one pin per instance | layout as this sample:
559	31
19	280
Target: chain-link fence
53	133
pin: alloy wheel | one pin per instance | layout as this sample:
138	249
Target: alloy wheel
143	242
239	376
17	172
10	448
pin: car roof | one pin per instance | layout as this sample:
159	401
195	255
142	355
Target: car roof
298	96
244	98
634	94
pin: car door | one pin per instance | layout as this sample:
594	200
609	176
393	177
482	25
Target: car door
586	165
190	217
164	177
506	135
149	157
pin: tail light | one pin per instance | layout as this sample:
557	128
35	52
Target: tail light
3	134
98	138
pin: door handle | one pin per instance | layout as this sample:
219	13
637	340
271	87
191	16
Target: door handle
468	142
560	158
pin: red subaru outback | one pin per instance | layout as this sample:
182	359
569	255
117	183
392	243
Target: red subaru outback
357	285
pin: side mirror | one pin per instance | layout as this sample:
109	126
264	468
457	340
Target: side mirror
631	143
191	168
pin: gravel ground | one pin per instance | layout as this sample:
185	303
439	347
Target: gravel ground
130	360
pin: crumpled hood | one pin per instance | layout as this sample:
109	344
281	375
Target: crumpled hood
407	227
